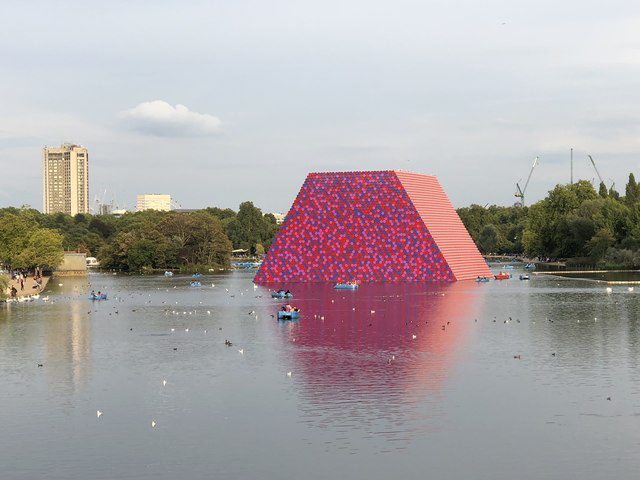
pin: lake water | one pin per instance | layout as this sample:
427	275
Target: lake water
426	386
613	276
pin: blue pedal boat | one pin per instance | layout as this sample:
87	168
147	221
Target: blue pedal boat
281	295
288	315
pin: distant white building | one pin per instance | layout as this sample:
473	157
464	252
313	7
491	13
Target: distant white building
153	201
279	217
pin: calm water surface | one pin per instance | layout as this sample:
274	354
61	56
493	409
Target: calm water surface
610	276
391	381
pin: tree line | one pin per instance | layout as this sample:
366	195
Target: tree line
135	242
595	227
576	222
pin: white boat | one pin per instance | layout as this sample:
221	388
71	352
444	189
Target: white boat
92	262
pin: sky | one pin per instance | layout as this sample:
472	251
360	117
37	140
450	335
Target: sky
218	102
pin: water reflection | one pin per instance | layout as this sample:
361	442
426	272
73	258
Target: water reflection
68	344
376	360
540	416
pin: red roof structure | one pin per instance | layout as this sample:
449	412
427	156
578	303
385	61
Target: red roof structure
371	227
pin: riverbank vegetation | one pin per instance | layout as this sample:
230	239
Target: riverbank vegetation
26	243
136	242
575	222
4	285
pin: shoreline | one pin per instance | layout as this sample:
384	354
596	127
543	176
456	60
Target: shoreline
28	287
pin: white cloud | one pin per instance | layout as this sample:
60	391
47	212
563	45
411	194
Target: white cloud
161	119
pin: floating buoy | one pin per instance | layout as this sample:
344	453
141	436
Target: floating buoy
609	289
288	374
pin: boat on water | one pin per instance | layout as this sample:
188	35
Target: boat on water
346	286
524	276
195	284
92	262
502	276
281	294
95	296
530	266
196	275
168	274
282	315
509	267
482	279
246	265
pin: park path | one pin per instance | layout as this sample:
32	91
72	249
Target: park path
29	283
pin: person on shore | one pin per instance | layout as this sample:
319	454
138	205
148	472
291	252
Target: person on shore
21	283
14	292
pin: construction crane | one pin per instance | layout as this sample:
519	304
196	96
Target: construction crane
100	204
521	191
595	168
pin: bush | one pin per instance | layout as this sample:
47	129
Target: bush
4	284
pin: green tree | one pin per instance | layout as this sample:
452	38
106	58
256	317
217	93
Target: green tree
548	228
613	193
4	284
221	213
632	191
250	227
488	239
16	227
142	255
602	191
43	249
600	243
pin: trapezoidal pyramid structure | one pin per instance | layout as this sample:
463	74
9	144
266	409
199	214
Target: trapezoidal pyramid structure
380	226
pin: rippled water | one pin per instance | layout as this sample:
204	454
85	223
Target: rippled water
391	381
